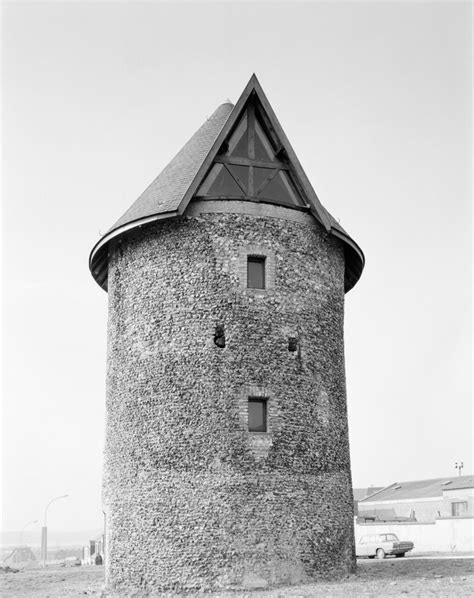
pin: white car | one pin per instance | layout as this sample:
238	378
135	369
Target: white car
379	545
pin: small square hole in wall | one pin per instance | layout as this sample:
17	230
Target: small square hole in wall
292	344
257	414
256	272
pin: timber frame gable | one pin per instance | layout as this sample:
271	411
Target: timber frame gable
252	159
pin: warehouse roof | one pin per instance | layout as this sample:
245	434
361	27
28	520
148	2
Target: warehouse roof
419	489
361	493
192	171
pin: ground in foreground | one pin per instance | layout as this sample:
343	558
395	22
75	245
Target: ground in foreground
391	577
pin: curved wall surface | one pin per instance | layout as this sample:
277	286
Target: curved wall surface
193	500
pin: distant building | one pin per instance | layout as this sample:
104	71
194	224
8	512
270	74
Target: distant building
93	553
420	500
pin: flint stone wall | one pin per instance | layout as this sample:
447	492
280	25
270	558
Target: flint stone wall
193	500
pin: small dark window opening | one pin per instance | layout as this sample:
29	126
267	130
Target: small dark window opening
459	508
255	272
292	344
219	336
257	414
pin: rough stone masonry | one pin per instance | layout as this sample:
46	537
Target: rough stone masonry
194	500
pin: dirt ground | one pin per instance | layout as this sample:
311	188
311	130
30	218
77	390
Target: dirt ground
392	577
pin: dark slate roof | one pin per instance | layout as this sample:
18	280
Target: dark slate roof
169	194
165	193
419	489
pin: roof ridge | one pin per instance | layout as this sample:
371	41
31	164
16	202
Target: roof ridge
379	491
453	477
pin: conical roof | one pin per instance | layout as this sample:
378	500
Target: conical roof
165	193
194	169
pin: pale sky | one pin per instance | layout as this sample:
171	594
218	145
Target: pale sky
376	101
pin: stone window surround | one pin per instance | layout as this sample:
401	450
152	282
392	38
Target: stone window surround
257	251
253	391
259	443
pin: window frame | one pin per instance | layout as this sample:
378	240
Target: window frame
242	269
257	259
455	505
263	401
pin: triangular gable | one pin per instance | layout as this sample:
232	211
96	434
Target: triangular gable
253	159
251	164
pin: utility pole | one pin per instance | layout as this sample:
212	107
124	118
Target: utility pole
459	466
44	531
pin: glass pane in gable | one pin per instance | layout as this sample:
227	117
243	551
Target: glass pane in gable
263	148
225	185
259	176
219	182
241	172
211	177
281	190
238	142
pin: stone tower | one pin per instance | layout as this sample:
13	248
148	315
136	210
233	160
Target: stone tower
227	455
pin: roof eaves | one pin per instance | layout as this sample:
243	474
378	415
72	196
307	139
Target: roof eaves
340	234
102	243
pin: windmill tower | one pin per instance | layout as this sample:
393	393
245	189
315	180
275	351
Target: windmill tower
227	455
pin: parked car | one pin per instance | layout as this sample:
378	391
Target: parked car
71	561
379	545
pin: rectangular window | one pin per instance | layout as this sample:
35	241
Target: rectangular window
257	414
255	272
459	508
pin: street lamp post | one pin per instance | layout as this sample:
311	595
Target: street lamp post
26	525
44	530
459	466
